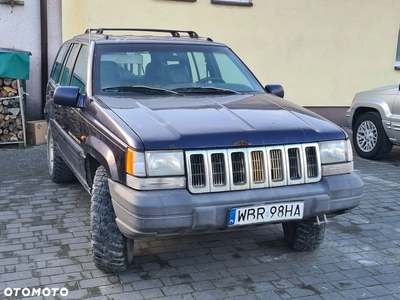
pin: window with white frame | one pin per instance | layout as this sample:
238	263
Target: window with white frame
233	2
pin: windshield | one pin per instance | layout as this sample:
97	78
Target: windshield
157	68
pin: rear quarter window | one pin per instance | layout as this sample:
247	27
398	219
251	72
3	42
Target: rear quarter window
65	74
55	73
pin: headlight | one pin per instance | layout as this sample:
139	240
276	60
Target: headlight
168	163
336	157
155	170
154	163
334	152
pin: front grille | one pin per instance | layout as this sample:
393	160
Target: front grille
250	168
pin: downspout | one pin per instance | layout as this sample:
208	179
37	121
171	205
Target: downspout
44	51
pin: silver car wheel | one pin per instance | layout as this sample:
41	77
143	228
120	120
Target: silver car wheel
367	136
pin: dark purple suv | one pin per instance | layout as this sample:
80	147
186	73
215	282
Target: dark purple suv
172	134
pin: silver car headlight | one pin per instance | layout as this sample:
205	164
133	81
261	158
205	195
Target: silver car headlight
165	163
155	170
333	152
336	157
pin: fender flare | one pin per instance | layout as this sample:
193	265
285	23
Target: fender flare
104	155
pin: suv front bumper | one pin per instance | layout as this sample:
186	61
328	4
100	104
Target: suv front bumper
166	212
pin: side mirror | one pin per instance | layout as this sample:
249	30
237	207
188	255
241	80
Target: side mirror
275	89
68	96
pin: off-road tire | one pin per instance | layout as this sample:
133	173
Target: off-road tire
112	251
371	123
304	235
58	170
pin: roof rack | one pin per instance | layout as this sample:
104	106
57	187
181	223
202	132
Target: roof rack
90	30
174	33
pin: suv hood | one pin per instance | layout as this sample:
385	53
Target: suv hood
222	121
384	90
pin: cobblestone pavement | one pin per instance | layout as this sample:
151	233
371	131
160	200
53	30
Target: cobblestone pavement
45	244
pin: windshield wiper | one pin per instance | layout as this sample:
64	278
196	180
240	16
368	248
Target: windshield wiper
142	89
207	90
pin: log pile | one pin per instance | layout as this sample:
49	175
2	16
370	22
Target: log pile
11	127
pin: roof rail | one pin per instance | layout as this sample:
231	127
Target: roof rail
90	30
174	33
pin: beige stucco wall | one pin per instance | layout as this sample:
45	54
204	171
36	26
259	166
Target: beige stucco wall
322	51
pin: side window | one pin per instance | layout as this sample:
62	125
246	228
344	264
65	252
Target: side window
68	65
55	73
80	69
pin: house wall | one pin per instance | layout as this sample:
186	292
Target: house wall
322	52
20	28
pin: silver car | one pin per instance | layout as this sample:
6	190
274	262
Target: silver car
374	117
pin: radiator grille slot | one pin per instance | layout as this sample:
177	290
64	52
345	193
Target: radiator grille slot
294	163
276	165
257	163
197	167
250	168
238	168
312	163
218	169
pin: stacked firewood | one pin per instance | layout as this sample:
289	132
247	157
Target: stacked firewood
10	112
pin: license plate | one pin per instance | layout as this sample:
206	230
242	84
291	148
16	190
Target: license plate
266	213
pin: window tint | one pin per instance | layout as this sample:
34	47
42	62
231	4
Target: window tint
68	66
55	73
80	69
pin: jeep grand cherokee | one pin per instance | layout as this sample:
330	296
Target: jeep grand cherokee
171	133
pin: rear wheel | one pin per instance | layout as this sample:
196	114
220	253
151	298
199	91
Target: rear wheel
369	137
304	235
58	169
112	251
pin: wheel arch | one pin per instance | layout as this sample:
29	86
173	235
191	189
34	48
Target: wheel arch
374	105
360	111
99	153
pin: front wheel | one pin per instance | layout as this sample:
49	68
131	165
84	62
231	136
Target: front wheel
369	137
304	235
112	251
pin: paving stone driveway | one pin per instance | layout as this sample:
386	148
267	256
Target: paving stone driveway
45	244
